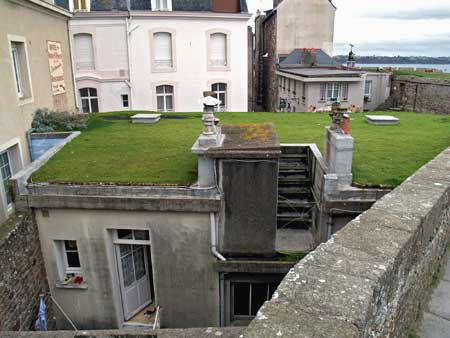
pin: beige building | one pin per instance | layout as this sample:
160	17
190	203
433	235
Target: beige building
36	72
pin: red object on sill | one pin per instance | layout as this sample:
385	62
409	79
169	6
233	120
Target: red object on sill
78	280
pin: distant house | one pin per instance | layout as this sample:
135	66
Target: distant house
310	79
36	72
290	25
159	55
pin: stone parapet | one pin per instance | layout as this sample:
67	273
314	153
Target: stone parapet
372	277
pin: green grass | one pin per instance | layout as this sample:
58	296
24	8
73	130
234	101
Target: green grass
443	76
120	152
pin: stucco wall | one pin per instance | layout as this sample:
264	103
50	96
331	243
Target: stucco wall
381	88
186	286
36	25
372	278
305	24
190	76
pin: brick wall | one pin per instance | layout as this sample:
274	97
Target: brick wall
420	95
22	274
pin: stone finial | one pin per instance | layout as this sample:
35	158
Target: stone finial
336	117
209	136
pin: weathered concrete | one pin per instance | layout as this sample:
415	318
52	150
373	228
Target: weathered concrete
339	156
22	275
254	266
370	278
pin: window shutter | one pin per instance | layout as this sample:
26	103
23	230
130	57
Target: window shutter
84	51
345	91
218	49
163	49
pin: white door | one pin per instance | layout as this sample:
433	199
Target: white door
134	278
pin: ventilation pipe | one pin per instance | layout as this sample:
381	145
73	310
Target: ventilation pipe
214	239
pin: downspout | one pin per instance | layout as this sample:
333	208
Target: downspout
74	83
130	68
213	238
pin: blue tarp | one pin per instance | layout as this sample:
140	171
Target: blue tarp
41	322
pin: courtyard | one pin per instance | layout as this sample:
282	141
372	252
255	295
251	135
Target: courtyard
113	151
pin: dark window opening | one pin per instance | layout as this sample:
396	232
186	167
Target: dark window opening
125	101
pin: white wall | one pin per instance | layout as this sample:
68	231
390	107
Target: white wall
305	24
191	77
381	88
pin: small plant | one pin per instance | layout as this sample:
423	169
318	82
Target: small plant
46	121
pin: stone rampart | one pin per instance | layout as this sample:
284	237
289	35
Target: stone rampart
22	274
371	279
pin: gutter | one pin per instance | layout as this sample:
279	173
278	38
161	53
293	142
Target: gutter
214	239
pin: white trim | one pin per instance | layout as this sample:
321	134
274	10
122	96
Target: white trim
168	9
320	79
163	14
46	5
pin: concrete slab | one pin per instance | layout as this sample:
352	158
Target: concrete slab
145	118
446	276
440	304
293	240
382	120
434	327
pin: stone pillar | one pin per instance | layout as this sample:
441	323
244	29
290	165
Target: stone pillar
210	137
339	155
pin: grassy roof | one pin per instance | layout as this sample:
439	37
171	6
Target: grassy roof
441	76
120	152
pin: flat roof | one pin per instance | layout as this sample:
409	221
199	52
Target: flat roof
321	72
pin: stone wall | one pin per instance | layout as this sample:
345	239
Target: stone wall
422	95
270	88
371	279
22	274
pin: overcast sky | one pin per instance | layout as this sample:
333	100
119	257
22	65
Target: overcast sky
388	27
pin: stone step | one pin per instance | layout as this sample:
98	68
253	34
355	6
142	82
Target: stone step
294	191
299	179
295	203
292	166
294	156
289	216
290	172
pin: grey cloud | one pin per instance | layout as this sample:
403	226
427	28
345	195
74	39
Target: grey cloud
430	47
414	14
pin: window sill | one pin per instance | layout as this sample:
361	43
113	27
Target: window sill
25	100
219	68
156	69
82	286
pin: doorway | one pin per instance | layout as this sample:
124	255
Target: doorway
135	270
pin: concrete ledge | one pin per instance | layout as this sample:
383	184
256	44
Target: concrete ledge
371	278
254	266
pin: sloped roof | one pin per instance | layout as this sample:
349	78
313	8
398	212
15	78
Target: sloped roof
308	57
177	5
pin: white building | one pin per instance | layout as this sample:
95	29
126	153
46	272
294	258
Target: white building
159	55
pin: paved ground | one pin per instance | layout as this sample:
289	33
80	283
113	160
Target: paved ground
436	319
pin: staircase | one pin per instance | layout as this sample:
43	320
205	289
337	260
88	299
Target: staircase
295	200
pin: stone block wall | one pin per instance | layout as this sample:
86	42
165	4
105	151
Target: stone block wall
422	95
22	275
372	278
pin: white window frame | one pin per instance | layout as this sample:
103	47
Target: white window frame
368	85
88	67
17	73
132	241
89	98
68	269
222	107
164	95
21	99
5	187
72	6
158	5
154	66
336	89
227	66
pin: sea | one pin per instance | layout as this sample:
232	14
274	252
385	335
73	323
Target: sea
444	68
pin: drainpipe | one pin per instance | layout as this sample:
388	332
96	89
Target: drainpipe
130	63
329	227
213	238
74	82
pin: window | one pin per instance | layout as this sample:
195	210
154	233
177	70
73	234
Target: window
17	76
220	92
333	91
125	102
79	5
6	173
248	297
164	98
218	50
21	75
134	235
72	258
368	89
89	100
162	5
344	91
304	92
84	52
162	44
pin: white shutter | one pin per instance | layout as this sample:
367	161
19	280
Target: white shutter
163	49
218	49
84	53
